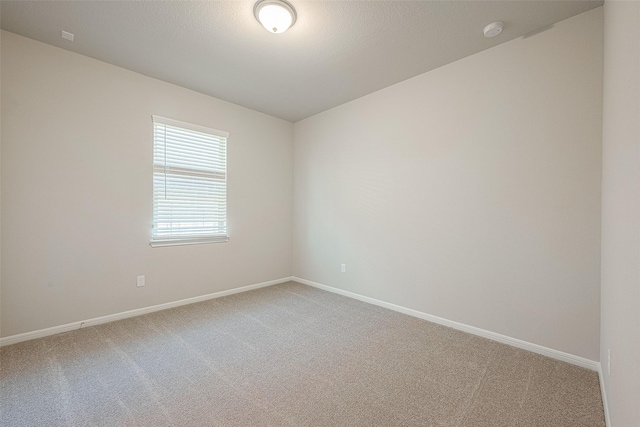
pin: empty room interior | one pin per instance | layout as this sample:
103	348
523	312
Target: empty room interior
320	213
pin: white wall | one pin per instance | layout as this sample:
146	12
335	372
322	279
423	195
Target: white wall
621	211
471	192
0	178
77	189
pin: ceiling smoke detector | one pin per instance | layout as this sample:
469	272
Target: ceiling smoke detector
493	29
276	16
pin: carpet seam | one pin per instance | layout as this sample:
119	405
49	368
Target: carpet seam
480	383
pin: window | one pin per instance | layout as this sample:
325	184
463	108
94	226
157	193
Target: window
189	184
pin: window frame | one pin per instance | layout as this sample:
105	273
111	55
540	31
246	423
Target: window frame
179	240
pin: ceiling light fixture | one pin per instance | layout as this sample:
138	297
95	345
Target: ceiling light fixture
275	15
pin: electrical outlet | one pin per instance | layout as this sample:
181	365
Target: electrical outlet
609	362
140	281
343	268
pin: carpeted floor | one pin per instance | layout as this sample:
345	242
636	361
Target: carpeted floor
287	355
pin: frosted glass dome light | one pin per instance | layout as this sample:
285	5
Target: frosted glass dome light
276	16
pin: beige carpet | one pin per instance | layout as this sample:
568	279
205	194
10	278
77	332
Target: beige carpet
287	355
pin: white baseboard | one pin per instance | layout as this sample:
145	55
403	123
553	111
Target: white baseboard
603	391
514	342
13	339
555	354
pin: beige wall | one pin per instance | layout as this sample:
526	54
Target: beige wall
621	211
77	188
471	192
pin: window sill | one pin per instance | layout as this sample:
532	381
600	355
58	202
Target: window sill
182	242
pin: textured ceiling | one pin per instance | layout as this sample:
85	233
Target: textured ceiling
336	52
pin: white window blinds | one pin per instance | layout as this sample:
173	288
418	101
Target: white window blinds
189	184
